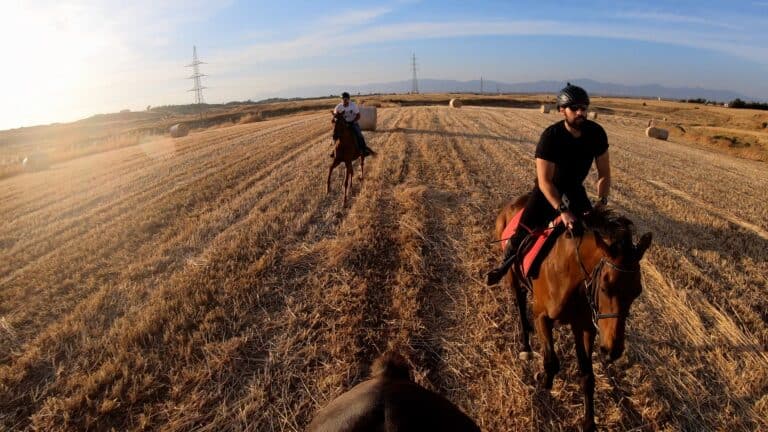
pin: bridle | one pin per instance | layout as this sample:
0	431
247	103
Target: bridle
591	284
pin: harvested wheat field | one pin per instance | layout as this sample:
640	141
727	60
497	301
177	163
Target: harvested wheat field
209	283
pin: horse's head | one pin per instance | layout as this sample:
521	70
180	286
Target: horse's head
339	124
615	281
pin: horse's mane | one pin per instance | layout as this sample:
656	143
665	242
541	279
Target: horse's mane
613	228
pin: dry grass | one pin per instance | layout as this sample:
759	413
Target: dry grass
250	118
208	283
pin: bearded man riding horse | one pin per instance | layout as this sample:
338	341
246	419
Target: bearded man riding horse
588	278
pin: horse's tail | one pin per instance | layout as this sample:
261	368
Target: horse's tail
391	365
371	153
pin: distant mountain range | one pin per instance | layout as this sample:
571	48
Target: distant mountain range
451	86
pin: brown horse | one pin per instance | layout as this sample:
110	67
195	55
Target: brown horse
390	401
587	281
345	151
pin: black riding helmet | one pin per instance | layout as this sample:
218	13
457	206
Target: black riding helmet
572	95
345	95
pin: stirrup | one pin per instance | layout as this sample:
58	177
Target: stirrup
495	275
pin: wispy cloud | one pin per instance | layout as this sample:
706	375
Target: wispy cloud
324	42
354	17
674	18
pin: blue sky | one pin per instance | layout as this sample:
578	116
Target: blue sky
70	59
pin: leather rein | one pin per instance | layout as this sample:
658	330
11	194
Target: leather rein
591	281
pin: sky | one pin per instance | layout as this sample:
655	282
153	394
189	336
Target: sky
65	60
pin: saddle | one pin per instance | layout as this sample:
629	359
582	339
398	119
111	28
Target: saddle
535	247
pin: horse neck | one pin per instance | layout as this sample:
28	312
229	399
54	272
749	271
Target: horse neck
346	137
589	254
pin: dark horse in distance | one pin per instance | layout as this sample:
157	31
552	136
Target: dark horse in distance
588	281
346	151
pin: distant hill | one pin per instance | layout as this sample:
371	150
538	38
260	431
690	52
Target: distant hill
452	86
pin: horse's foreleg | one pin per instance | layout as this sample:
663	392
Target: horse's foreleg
362	167
551	363
330	171
525	326
347	180
585	339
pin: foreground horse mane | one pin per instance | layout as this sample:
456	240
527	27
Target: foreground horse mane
391	365
390	401
612	227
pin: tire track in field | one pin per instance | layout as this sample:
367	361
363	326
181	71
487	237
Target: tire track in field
345	304
265	229
31	323
173	170
429	287
179	189
41	197
124	205
172	174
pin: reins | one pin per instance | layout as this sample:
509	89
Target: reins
591	284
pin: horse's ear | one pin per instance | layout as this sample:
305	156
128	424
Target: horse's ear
643	244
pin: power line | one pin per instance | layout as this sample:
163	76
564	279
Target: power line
415	82
195	77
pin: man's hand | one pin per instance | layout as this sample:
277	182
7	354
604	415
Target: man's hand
568	219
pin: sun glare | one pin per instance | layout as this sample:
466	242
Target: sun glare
56	51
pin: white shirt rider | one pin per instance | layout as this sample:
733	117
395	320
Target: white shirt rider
350	112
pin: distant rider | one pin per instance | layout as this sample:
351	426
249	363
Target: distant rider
352	114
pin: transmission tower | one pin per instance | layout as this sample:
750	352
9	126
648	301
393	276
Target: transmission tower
481	84
195	77
415	83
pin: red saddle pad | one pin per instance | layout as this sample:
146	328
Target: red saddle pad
532	254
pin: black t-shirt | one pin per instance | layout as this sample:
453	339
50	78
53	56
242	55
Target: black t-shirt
572	156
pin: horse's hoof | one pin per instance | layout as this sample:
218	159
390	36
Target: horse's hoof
525	355
543	382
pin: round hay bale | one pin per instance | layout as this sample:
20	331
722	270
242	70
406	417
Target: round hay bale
455	103
36	162
179	130
545	109
367	120
592	115
658	133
